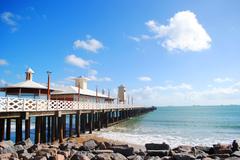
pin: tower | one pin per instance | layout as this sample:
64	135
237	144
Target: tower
121	93
29	72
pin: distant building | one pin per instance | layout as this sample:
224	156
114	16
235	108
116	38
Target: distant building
27	88
122	94
80	92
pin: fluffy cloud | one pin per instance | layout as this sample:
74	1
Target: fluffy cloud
222	80
185	94
3	62
91	45
77	61
3	82
92	75
144	78
10	19
183	33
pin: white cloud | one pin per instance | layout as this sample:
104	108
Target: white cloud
92	75
91	45
3	82
184	94
223	80
144	78
183	33
10	19
3	62
140	38
77	61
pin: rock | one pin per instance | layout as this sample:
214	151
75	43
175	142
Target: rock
47	152
183	156
60	157
25	155
79	157
102	151
40	158
232	158
90	145
222	149
153	158
7	147
117	156
19	148
154	146
221	156
166	158
34	148
160	153
208	150
236	154
6	156
123	149
207	158
65	153
102	146
69	145
135	157
103	156
27	143
184	148
235	146
86	153
108	145
140	153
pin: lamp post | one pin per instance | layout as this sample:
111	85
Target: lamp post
48	85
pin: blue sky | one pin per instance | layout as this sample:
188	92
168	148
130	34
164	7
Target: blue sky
165	52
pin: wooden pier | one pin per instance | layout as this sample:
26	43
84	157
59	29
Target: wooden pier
51	117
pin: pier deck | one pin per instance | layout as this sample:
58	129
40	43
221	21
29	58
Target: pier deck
50	117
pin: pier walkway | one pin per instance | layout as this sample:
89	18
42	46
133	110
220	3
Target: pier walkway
50	117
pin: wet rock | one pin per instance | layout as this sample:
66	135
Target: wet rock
222	149
183	156
118	156
79	156
140	153
208	150
90	145
123	149
236	154
102	146
154	146
108	145
221	156
235	146
160	153
183	148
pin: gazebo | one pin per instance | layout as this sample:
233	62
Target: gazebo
27	88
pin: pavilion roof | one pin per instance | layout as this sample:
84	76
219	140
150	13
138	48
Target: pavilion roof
26	84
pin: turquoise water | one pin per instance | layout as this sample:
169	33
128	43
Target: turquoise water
180	125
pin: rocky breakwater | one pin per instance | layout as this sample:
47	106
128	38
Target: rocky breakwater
94	150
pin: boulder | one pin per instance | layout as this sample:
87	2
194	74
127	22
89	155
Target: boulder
135	157
60	157
153	158
232	158
208	150
103	156
102	146
167	158
236	154
235	146
48	152
207	158
221	156
7	147
25	155
86	153
65	153
40	158
154	146
6	156
90	145
222	149
160	153
102	151
78	156
123	149
183	156
34	148
108	145
184	148
27	143
118	156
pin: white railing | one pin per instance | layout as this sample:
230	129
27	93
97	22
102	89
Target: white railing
8	104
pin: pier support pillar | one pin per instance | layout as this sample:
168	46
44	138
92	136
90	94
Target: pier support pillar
8	129
49	128
107	119
83	122
64	125
70	124
43	129
90	122
99	121
27	128
18	130
78	124
37	130
60	129
53	128
2	129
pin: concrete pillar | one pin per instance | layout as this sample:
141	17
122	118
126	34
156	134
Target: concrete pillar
37	130
54	128
2	129
99	121
8	129
49	128
64	125
60	129
78	124
83	122
27	127
18	129
90	122
43	130
70	125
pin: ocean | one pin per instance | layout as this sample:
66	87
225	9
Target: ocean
196	125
